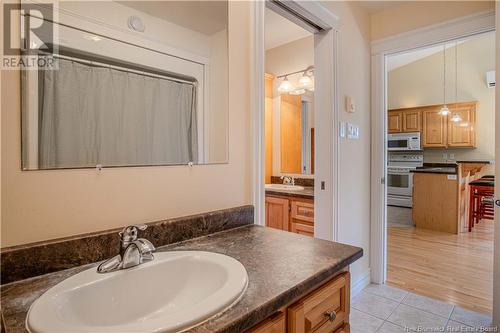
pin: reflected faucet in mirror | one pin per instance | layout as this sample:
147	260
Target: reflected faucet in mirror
288	180
133	251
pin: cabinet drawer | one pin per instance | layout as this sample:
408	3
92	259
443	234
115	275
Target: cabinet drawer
302	229
275	324
324	310
302	211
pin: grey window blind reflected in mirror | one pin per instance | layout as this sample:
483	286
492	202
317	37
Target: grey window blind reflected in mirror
92	115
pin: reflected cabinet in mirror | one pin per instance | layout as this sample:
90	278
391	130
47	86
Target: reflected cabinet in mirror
158	95
297	133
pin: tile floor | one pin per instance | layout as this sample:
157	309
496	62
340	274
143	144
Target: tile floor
385	309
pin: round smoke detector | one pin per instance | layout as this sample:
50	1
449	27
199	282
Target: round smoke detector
135	23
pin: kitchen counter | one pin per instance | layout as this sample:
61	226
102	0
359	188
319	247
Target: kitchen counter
307	193
439	168
266	253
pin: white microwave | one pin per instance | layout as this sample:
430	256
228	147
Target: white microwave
404	141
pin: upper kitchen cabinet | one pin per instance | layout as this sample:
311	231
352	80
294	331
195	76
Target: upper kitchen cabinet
435	127
395	122
461	125
404	121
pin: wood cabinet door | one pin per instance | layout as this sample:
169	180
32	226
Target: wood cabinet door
435	128
462	134
395	122
291	133
324	310
412	121
275	324
277	210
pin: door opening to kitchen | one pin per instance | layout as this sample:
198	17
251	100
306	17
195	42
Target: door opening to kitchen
440	172
289	125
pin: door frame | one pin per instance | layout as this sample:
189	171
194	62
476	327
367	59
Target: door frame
326	98
380	49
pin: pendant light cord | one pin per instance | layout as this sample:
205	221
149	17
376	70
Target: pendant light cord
444	74
456	72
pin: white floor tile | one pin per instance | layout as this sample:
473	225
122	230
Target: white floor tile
391	328
429	305
374	305
415	319
386	291
470	318
363	323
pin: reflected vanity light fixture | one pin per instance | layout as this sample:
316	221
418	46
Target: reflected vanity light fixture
305	82
286	86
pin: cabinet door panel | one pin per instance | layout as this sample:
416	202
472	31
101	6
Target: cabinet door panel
412	121
434	128
462	134
275	324
324	310
277	213
395	122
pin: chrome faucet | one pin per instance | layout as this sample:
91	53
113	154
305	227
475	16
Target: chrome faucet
288	180
133	251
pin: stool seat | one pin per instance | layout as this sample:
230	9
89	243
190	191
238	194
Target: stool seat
488	177
483	182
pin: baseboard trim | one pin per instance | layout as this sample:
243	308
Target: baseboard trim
360	283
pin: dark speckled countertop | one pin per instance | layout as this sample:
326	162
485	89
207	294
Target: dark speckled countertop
281	267
306	193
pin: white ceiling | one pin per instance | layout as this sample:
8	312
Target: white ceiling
400	60
206	17
279	30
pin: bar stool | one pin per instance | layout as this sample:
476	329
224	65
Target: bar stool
482	193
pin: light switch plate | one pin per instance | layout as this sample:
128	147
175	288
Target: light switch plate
342	129
352	131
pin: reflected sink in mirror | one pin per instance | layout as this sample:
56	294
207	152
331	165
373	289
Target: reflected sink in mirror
175	291
284	187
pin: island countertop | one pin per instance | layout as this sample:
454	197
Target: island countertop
267	254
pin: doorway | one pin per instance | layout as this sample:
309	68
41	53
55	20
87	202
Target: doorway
430	147
321	23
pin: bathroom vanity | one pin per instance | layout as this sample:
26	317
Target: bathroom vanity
314	298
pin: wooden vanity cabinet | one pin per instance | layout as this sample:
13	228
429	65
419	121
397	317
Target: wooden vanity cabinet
290	214
324	310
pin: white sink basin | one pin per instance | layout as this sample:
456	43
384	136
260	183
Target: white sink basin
175	291
284	187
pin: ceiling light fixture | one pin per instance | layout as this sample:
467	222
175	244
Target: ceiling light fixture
135	23
444	110
286	86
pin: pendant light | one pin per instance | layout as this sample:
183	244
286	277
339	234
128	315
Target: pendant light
456	117
444	110
286	86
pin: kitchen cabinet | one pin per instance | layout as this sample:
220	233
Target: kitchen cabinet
277	210
395	122
435	128
324	310
461	134
290	214
437	131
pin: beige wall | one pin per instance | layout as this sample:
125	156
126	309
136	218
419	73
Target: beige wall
41	205
417	14
421	83
354	173
496	261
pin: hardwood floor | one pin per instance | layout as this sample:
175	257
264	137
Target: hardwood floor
457	269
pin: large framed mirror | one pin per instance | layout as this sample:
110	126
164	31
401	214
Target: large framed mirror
115	102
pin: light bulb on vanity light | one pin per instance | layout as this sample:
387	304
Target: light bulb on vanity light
305	81
286	86
298	91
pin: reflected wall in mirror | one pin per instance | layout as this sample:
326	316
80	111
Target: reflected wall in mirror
152	97
297	133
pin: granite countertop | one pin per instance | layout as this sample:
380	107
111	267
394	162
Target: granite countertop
440	168
307	193
478	162
267	254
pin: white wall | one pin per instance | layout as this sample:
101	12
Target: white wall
41	205
354	174
421	83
